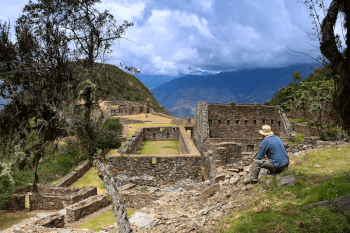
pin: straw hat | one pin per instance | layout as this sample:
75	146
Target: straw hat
266	130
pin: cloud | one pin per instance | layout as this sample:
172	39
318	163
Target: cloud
213	35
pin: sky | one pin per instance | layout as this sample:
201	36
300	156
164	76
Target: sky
172	37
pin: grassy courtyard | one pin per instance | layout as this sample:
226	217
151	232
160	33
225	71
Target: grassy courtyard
160	147
106	219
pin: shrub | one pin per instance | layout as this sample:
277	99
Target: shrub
71	155
106	140
113	125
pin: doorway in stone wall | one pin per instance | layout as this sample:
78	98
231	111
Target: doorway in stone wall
250	148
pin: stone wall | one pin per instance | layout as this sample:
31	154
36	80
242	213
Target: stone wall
133	145
247	144
304	129
17	202
243	120
138	200
228	153
164	115
201	126
86	207
52	221
159	169
74	175
128	121
56	198
124	108
183	121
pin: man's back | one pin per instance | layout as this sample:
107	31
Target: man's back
273	147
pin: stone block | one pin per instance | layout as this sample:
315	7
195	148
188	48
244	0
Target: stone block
209	191
287	180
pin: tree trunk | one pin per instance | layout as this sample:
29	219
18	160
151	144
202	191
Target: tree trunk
119	209
342	101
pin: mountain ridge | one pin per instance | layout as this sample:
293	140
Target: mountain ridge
241	86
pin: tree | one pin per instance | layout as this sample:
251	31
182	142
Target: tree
33	73
333	56
92	34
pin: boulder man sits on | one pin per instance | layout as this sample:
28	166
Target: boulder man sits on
271	146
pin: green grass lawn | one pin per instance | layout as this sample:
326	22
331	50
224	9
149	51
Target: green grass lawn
91	179
160	147
106	219
278	209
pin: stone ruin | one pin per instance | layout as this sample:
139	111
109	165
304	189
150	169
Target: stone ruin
124	108
227	134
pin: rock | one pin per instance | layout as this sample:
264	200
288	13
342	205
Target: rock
169	215
143	220
152	189
342	202
233	170
209	191
42	215
287	180
316	165
126	187
62	212
320	142
234	180
218	178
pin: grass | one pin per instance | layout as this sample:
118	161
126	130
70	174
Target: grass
106	219
298	120
91	179
160	147
278	209
9	219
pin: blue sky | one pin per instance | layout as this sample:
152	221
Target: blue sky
212	35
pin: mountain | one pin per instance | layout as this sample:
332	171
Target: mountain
124	86
179	96
153	81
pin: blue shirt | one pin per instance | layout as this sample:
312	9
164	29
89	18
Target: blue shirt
273	147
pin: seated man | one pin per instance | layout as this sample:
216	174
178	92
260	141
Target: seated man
271	146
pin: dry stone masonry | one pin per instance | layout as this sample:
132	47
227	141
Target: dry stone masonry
124	108
155	170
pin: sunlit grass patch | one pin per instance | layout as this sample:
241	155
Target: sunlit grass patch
330	159
91	179
106	219
279	209
160	147
9	219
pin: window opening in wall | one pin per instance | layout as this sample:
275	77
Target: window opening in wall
160	129
255	122
263	121
154	161
219	122
154	136
167	135
132	108
228	122
237	122
250	148
271	122
279	124
246	122
210	122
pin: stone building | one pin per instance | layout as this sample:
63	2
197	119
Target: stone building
124	108
239	123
